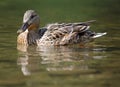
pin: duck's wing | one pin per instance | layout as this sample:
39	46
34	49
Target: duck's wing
77	27
41	31
61	34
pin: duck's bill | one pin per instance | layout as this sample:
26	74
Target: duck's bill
23	28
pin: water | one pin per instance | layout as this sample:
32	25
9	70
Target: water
94	65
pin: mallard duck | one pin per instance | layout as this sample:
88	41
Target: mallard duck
55	33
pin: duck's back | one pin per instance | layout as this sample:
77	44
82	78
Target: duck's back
64	34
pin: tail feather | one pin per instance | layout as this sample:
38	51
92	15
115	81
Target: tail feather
99	35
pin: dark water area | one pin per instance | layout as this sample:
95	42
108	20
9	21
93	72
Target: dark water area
95	65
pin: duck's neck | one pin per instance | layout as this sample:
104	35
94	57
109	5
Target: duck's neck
28	38
32	37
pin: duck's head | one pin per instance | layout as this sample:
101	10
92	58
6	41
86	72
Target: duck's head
31	21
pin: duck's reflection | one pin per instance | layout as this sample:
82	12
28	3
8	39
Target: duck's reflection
35	59
23	62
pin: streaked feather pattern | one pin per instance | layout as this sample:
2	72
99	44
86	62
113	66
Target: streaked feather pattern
63	34
53	34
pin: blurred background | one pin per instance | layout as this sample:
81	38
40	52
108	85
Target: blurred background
63	10
96	65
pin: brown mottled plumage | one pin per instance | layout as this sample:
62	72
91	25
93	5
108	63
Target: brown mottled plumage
53	34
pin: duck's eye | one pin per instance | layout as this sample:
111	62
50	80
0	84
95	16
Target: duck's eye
32	16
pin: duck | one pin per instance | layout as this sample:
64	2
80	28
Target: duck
54	34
